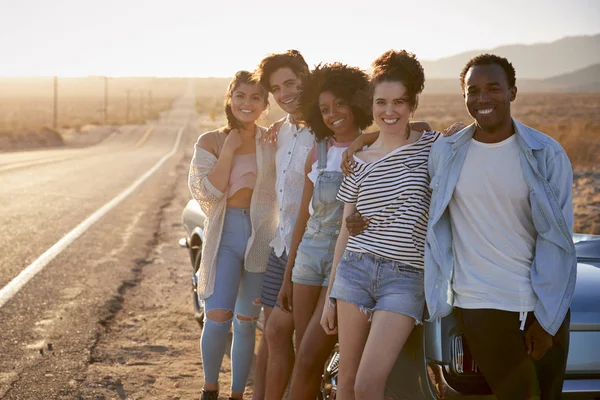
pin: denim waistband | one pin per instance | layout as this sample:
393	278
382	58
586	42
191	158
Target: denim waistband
238	225
237	211
331	227
375	258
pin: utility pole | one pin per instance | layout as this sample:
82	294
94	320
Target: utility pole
55	119
128	103
141	106
150	101
105	100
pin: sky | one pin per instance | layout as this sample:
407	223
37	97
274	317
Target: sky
219	37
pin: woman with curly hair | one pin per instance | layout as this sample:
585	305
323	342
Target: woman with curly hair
377	279
336	106
232	176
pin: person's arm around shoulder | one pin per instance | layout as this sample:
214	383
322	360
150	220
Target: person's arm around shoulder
366	139
423	126
454	128
273	130
285	293
420	126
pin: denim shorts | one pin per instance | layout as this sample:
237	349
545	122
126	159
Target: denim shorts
375	283
314	258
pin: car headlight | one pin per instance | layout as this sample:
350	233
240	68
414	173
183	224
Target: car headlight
462	359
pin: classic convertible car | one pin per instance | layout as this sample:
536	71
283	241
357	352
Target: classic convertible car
436	363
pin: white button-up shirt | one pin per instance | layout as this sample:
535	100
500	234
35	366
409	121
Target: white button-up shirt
293	146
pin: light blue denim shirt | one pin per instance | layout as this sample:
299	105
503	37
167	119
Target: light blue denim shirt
549	175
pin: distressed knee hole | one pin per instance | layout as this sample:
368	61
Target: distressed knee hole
244	318
219	315
256	302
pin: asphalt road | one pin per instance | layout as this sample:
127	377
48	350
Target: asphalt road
50	327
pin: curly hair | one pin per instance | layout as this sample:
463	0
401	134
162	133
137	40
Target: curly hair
348	83
400	66
490	59
291	59
239	78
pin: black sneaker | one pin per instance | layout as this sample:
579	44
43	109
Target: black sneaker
210	395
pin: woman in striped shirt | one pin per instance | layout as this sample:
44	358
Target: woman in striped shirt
377	277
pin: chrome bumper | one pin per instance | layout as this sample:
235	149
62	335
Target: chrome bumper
591	386
438	383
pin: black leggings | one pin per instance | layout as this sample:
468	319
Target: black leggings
498	346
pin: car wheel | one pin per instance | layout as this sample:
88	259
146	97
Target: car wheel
198	307
328	390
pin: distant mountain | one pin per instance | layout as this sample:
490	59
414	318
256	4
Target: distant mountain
536	61
442	86
583	80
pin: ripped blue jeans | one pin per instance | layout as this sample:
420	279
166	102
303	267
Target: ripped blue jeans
238	291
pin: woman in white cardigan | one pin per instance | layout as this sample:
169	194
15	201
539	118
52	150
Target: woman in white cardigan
232	176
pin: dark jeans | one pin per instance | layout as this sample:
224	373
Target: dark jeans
498	346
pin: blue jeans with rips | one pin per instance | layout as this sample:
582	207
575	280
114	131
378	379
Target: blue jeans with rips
238	291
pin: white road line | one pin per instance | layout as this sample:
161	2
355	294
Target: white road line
13	287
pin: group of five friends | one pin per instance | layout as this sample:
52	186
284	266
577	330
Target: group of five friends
341	236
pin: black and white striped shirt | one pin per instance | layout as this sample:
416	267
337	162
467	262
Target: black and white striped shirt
393	192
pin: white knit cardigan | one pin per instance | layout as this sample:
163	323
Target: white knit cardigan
213	202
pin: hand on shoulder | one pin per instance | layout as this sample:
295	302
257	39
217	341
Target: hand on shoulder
273	131
454	128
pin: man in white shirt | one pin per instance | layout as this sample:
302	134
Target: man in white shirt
499	247
282	74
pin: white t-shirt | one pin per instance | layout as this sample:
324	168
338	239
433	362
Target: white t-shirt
492	228
334	162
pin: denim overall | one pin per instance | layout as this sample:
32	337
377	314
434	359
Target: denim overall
315	253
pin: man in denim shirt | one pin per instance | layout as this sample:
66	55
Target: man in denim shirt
499	248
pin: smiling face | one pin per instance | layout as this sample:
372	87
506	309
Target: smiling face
488	96
337	113
247	103
391	109
284	85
